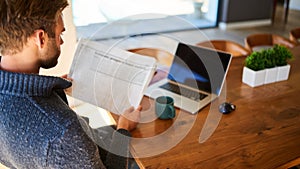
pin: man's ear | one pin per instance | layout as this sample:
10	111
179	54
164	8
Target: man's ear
40	38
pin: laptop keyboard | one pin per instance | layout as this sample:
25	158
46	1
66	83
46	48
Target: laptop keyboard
183	91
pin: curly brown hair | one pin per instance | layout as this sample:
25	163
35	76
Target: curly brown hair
20	18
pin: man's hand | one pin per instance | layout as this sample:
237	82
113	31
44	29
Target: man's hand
68	91
129	119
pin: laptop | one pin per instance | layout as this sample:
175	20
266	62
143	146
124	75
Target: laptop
195	78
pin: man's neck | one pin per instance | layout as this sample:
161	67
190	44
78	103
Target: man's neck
20	62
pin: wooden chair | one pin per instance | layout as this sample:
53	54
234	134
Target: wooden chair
266	40
295	35
234	48
163	57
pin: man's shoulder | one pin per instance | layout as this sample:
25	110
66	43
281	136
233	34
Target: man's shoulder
40	113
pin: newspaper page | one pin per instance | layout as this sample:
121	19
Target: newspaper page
109	77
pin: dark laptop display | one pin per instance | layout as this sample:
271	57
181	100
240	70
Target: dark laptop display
199	68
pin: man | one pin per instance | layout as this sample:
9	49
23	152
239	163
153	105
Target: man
37	127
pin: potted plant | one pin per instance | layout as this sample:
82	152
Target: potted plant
267	66
254	70
282	55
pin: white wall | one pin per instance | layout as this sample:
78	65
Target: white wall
67	49
295	4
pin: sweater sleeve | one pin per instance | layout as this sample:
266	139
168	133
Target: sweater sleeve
113	146
117	157
84	147
74	149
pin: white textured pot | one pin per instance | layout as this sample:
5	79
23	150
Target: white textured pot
253	78
271	75
283	72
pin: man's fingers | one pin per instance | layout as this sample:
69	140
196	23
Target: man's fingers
130	109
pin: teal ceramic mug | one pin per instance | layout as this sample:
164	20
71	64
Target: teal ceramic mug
164	107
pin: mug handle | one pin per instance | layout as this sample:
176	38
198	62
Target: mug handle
172	109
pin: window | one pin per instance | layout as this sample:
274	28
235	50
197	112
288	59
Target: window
142	16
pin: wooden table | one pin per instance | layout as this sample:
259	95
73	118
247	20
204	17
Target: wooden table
263	131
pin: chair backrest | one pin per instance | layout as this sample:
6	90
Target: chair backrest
163	57
256	40
295	35
232	47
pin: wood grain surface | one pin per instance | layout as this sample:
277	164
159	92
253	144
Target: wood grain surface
263	131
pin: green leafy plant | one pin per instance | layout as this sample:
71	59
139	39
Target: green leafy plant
282	55
255	61
268	58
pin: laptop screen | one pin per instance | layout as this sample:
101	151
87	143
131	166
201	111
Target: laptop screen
199	68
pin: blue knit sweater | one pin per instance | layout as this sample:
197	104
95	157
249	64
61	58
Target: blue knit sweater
39	130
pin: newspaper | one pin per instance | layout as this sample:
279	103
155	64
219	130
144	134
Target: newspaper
109	77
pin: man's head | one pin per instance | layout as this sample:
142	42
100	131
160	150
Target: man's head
49	56
20	19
